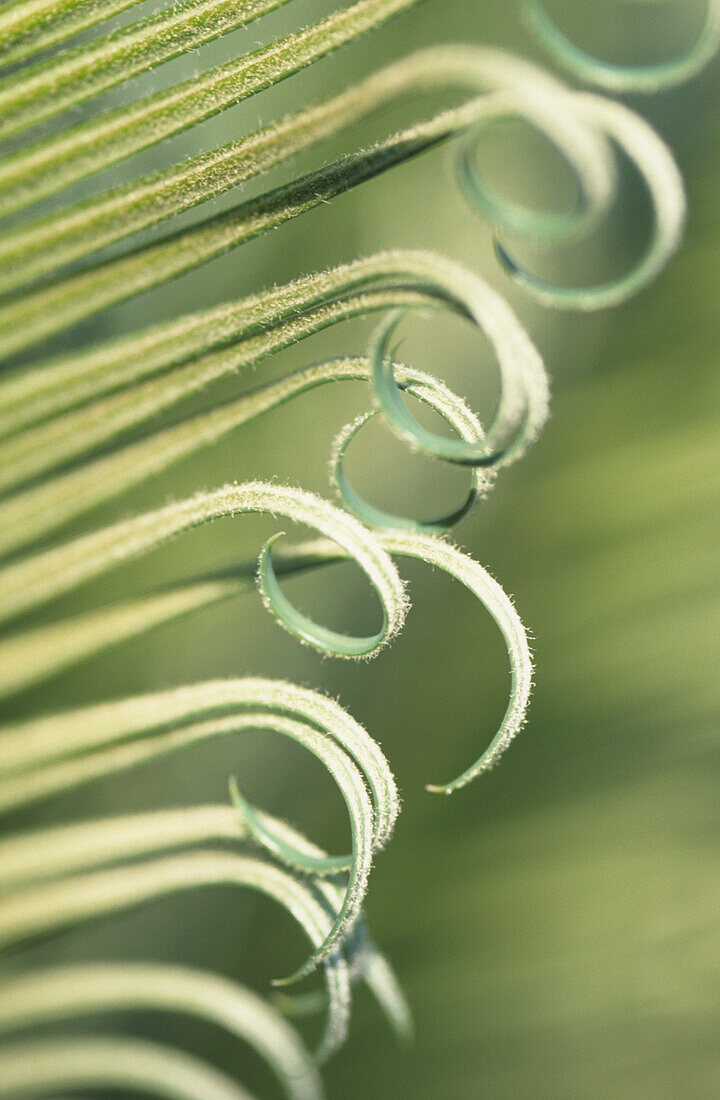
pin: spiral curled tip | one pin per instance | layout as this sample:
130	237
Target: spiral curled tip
342	899
547	293
511	217
548	108
304	971
388	392
513	722
277	846
483	765
444	555
625	78
389	398
460	781
327	641
376	517
656	166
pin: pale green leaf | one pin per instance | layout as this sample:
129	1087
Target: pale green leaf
74	991
50	165
47	1066
48	87
28	26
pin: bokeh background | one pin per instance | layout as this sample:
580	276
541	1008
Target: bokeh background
556	926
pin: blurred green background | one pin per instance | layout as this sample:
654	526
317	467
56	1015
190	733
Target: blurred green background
556	926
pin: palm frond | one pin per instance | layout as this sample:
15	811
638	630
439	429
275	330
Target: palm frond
81	427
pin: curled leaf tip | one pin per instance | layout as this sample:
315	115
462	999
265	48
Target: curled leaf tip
651	77
656	167
272	841
331	642
377	518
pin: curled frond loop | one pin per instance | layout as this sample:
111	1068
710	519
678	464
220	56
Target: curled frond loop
272	840
455	412
657	167
40	509
627	78
154	370
37	580
362	825
523	405
546	106
56	855
304	628
445	556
